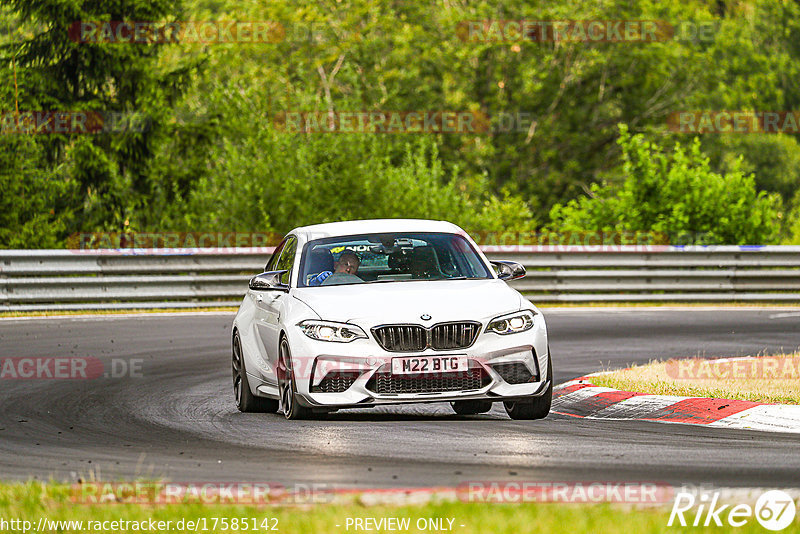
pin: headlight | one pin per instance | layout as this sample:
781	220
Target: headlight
330	331
512	323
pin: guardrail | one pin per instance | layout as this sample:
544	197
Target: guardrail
187	278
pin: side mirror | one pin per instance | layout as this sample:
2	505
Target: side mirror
508	270
269	280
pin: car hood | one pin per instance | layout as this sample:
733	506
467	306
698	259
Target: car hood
405	302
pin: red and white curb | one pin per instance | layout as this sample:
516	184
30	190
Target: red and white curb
581	398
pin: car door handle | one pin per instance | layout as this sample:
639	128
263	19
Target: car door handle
259	298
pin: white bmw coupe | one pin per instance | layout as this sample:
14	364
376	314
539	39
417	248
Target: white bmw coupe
363	313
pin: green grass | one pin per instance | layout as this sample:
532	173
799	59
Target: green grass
32	500
656	378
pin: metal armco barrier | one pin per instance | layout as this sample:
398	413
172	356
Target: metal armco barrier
186	278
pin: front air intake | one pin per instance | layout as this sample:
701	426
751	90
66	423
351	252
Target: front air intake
336	382
416	338
514	373
384	382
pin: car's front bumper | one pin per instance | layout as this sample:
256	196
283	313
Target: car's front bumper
313	360
342	400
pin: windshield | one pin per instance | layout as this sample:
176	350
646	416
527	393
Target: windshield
395	257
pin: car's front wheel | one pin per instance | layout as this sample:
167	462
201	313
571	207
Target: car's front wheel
245	400
471	407
286	385
535	407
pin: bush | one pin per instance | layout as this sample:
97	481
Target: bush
675	194
792	231
274	182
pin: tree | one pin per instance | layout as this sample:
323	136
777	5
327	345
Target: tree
36	201
57	71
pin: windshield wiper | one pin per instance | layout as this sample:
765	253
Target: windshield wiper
423	279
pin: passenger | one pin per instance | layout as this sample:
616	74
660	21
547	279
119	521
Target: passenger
344	272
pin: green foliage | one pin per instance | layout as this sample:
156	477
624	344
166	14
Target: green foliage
35	201
57	73
274	182
773	159
792	233
675	194
212	160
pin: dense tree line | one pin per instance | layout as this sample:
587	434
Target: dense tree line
573	135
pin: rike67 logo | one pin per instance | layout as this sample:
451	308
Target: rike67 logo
774	510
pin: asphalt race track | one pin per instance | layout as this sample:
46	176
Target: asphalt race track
175	418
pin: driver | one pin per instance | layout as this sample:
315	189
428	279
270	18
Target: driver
344	272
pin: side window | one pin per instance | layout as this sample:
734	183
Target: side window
286	260
274	258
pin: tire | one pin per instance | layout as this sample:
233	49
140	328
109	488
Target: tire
535	407
245	400
471	407
287	387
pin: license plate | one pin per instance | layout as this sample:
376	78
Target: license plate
429	364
